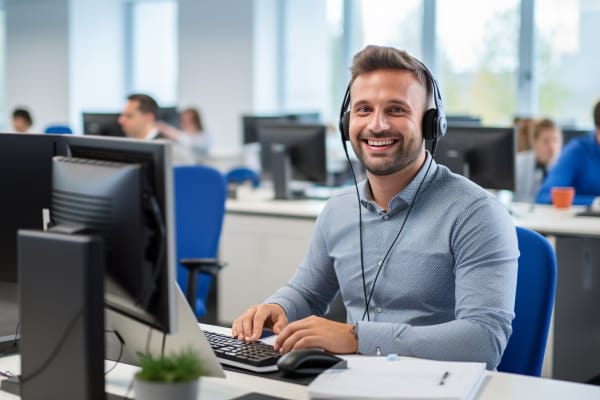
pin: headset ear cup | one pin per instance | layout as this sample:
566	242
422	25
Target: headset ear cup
345	126
442	125
430	124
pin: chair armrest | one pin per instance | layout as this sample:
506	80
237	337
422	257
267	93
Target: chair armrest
210	266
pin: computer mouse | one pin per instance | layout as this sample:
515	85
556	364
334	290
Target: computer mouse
306	362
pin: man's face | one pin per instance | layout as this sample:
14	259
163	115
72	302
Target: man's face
547	145
135	123
386	120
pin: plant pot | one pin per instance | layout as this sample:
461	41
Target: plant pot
145	390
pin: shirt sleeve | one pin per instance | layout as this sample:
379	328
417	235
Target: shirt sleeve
564	174
313	285
485	248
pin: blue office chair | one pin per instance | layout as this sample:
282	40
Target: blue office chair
536	286
240	175
200	193
58	129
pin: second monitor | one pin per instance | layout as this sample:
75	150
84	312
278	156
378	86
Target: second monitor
485	155
292	151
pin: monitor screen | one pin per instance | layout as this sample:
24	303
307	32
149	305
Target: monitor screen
462	120
102	124
293	151
250	123
25	172
170	115
485	155
571	133
122	191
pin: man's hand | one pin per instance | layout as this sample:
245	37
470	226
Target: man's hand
249	325
335	337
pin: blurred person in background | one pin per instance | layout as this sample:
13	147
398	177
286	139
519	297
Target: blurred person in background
21	120
138	120
191	133
577	167
533	165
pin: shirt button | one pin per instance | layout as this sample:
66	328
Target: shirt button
379	310
386	217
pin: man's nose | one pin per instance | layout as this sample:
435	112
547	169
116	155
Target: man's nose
379	122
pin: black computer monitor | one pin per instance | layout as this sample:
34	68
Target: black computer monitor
121	190
102	124
292	151
250	123
169	115
25	172
486	155
462	120
571	133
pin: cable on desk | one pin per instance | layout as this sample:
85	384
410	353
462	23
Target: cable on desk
120	339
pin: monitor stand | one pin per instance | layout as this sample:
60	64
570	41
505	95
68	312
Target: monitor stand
61	302
281	171
61	299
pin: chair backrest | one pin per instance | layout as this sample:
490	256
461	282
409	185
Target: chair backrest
200	194
61	129
242	174
536	286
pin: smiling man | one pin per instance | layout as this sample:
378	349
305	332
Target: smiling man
425	260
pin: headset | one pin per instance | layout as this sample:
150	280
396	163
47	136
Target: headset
434	127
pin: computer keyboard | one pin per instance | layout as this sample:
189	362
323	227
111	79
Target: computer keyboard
252	356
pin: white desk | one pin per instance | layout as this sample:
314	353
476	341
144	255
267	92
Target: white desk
264	240
497	386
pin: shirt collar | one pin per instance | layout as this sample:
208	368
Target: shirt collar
152	134
406	195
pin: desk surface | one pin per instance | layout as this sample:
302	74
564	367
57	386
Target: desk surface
496	386
541	218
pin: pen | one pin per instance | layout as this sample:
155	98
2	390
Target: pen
444	377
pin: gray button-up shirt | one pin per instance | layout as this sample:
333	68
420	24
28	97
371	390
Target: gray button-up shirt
447	289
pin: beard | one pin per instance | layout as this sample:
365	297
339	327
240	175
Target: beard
384	164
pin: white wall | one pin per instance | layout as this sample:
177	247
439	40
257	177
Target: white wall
37	59
216	65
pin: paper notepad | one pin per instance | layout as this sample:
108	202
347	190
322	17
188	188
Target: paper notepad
403	378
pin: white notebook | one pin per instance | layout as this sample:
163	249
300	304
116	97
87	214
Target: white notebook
402	378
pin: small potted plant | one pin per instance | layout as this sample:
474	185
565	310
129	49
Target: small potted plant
174	376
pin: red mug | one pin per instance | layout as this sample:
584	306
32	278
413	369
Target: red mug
562	197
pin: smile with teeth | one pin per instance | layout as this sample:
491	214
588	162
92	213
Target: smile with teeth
380	142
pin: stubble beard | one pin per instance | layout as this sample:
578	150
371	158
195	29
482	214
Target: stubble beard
408	154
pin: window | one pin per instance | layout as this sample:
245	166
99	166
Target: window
3	65
566	66
478	58
153	62
389	23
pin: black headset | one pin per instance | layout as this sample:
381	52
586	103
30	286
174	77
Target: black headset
434	128
434	120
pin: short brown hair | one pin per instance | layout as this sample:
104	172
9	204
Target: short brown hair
597	115
373	58
147	104
541	125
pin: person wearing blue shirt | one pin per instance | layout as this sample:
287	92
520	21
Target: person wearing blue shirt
424	259
577	166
